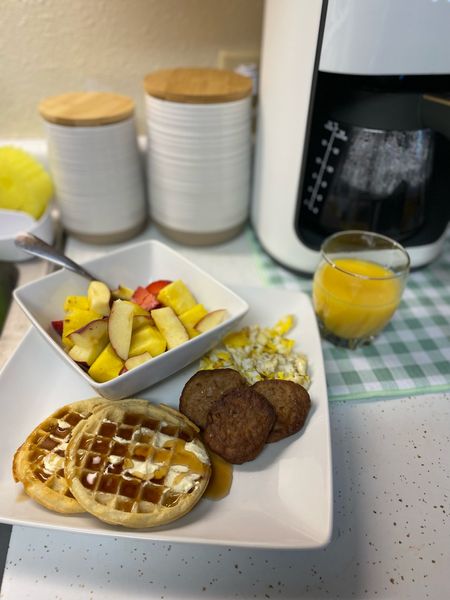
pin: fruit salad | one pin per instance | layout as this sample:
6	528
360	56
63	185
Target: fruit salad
108	332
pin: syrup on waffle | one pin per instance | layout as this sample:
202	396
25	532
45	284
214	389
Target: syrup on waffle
39	462
137	464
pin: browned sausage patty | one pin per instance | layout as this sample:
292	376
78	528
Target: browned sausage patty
238	425
203	389
291	403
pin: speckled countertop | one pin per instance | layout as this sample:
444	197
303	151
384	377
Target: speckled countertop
391	533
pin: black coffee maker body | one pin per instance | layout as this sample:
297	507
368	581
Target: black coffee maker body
373	145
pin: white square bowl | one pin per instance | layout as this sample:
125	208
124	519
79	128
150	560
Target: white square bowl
134	265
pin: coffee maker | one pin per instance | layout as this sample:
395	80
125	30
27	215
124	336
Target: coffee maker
353	128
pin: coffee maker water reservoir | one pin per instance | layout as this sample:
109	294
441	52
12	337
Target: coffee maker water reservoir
375	161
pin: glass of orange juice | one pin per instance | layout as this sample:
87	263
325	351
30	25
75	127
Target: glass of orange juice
358	285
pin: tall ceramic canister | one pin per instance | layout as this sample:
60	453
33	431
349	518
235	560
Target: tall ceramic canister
96	165
198	152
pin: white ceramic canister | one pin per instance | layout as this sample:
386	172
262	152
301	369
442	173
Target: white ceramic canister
198	153
96	166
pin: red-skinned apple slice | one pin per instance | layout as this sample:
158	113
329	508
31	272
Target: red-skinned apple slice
90	334
135	361
85	355
120	325
211	319
58	326
89	341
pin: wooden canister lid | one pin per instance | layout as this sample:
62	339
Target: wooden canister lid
86	109
197	85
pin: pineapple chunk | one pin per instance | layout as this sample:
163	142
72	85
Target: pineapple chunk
147	339
170	326
106	366
141	321
177	296
76	303
191	317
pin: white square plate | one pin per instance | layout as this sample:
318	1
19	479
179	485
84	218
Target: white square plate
133	265
283	499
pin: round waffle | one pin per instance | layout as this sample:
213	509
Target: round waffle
137	464
39	462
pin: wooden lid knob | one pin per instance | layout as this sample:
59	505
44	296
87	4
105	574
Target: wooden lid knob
86	109
197	85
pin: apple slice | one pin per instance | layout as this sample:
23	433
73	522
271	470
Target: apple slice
170	326
85	355
211	319
135	361
120	326
75	320
58	326
99	297
92	333
89	341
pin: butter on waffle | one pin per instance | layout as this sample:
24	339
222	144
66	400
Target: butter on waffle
137	464
39	462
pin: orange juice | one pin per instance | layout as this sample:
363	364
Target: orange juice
357	299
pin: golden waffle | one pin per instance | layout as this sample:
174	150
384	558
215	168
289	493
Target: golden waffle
137	464
39	462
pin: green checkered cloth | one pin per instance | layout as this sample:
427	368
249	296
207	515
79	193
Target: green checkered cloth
411	356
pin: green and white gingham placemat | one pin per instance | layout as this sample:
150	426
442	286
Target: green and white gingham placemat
411	356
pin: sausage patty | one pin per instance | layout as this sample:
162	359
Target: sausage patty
291	403
238	425
203	389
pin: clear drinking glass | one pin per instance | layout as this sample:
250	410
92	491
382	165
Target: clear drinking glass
358	286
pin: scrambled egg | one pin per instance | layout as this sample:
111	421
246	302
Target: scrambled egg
261	353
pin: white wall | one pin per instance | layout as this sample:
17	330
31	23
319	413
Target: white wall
48	47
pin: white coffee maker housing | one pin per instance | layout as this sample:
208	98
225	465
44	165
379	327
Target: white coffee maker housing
300	38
